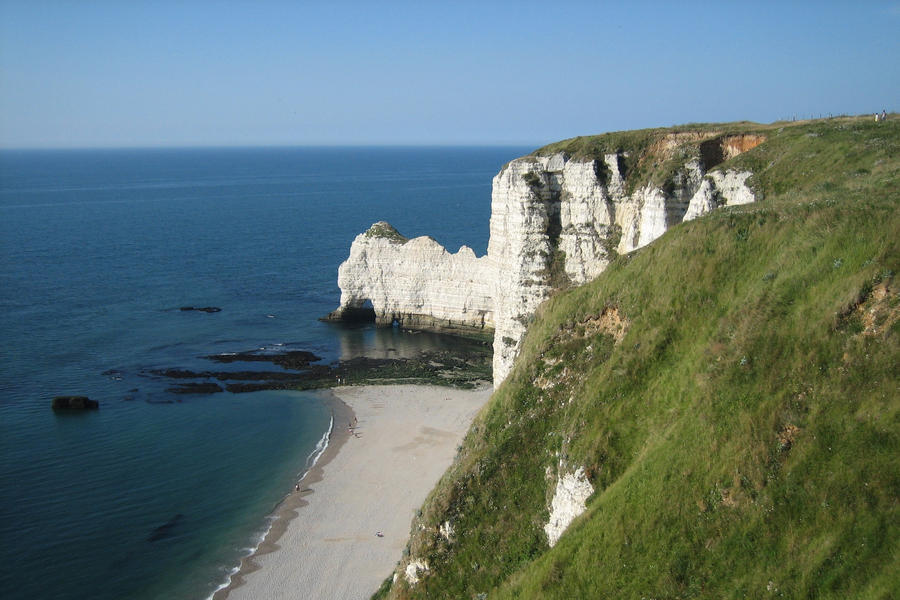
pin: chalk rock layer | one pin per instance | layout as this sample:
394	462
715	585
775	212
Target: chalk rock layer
555	222
415	283
569	501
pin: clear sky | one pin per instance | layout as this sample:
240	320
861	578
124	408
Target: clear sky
164	73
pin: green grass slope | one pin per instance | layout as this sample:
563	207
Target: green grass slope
732	392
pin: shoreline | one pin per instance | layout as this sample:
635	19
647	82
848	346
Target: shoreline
286	511
363	485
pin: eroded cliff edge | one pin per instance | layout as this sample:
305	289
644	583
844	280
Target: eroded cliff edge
558	217
416	284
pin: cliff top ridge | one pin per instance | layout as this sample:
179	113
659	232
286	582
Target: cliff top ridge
651	156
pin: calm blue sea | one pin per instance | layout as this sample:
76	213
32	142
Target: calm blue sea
158	495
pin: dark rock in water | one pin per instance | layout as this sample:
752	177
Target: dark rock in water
74	403
114	374
467	364
165	530
195	388
239	388
179	373
224	375
206	309
293	359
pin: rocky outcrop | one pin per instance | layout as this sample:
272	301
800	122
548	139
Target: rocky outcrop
415	283
74	403
464	364
195	388
414	570
206	309
569	501
555	221
720	188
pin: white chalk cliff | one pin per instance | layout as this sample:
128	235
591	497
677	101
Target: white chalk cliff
555	221
416	283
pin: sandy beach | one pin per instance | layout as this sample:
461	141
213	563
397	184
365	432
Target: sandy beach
370	480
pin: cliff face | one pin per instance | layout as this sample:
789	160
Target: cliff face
555	222
415	283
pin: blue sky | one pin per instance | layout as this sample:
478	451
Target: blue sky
164	73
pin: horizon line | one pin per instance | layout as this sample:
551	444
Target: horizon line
272	146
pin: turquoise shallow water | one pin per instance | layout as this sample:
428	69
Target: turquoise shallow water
158	495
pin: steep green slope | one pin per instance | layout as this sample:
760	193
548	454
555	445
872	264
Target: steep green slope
731	391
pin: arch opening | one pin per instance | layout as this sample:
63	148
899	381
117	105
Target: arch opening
363	312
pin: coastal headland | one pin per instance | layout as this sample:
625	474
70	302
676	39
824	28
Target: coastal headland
674	373
687	322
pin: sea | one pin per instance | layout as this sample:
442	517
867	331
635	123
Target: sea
156	494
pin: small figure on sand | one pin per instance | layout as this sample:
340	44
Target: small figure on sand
297	488
379	534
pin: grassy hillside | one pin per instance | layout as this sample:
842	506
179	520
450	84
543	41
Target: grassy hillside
731	390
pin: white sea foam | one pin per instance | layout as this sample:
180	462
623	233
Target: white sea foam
230	572
226	583
321	445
